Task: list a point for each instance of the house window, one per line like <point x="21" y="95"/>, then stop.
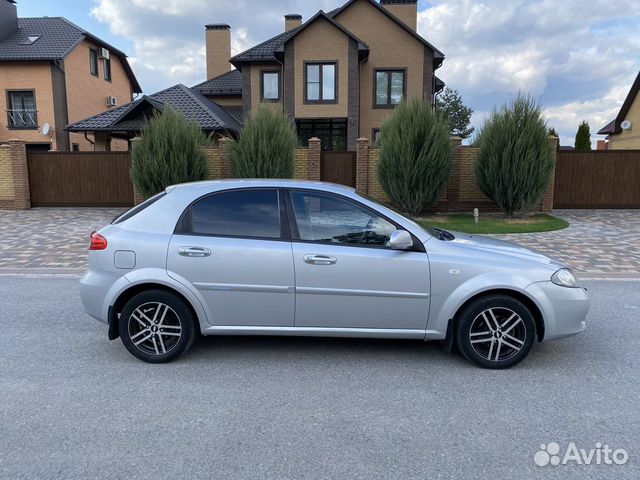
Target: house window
<point x="107" y="69"/>
<point x="331" y="132"/>
<point x="390" y="88"/>
<point x="22" y="111"/>
<point x="93" y="62"/>
<point x="375" y="136"/>
<point x="321" y="83"/>
<point x="75" y="147"/>
<point x="270" y="86"/>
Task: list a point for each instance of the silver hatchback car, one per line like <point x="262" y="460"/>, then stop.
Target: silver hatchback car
<point x="283" y="257"/>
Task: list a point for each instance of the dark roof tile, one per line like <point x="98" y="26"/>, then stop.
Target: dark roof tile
<point x="195" y="107"/>
<point x="226" y="85"/>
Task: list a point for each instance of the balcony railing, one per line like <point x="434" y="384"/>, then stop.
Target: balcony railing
<point x="22" y="118"/>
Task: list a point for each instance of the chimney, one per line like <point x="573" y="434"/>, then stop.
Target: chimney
<point x="8" y="18"/>
<point x="218" y="49"/>
<point x="291" y="21"/>
<point x="405" y="10"/>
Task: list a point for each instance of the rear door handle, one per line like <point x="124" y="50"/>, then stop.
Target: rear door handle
<point x="320" y="260"/>
<point x="194" y="251"/>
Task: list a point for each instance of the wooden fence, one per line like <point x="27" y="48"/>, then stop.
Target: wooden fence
<point x="598" y="179"/>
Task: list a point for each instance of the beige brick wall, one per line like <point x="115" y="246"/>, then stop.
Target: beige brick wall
<point x="301" y="156"/>
<point x="390" y="47"/>
<point x="6" y="174"/>
<point x="86" y="94"/>
<point x="375" y="189"/>
<point x="227" y="101"/>
<point x="322" y="42"/>
<point x="23" y="76"/>
<point x="469" y="190"/>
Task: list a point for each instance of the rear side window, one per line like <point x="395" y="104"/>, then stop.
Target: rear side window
<point x="137" y="209"/>
<point x="239" y="213"/>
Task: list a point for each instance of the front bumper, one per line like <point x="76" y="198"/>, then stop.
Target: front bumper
<point x="563" y="309"/>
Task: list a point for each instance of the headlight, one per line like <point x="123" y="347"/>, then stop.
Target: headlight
<point x="565" y="278"/>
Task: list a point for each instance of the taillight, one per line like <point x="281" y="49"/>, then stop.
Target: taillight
<point x="98" y="242"/>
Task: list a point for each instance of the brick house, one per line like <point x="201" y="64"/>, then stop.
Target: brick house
<point x="337" y="76"/>
<point x="53" y="72"/>
<point x="623" y="133"/>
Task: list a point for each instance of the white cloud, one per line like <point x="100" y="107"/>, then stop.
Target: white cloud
<point x="578" y="57"/>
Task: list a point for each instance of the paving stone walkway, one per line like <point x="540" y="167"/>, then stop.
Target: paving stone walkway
<point x="599" y="243"/>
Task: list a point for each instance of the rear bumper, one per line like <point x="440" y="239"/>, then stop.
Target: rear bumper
<point x="94" y="292"/>
<point x="564" y="309"/>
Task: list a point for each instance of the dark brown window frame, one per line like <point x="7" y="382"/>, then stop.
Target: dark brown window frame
<point x="389" y="71"/>
<point x="8" y="93"/>
<point x="321" y="63"/>
<point x="93" y="53"/>
<point x="107" y="70"/>
<point x="270" y="100"/>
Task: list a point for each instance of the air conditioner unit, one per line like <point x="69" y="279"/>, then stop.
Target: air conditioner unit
<point x="112" y="101"/>
<point x="103" y="53"/>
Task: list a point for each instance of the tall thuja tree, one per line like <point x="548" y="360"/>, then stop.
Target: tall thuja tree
<point x="516" y="160"/>
<point x="415" y="156"/>
<point x="583" y="137"/>
<point x="457" y="113"/>
<point x="265" y="148"/>
<point x="169" y="152"/>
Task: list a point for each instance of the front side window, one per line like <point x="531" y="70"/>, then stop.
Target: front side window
<point x="22" y="111"/>
<point x="107" y="69"/>
<point x="271" y="86"/>
<point x="240" y="213"/>
<point x="328" y="219"/>
<point x="320" y="83"/>
<point x="390" y="88"/>
<point x="93" y="62"/>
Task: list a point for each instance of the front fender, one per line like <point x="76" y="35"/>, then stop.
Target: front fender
<point x="444" y="306"/>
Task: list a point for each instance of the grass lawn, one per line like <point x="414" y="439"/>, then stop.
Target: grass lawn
<point x="464" y="223"/>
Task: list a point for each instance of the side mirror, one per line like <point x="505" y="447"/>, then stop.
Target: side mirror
<point x="400" y="240"/>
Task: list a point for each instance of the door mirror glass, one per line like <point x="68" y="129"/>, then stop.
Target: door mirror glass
<point x="400" y="240"/>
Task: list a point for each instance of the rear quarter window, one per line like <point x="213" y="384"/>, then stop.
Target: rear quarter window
<point x="137" y="209"/>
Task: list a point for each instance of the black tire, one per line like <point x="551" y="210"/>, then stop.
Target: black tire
<point x="141" y="326"/>
<point x="489" y="335"/>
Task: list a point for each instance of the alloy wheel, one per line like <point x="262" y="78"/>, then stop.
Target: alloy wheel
<point x="497" y="334"/>
<point x="154" y="328"/>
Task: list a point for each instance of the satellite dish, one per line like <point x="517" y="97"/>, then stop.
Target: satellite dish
<point x="45" y="129"/>
<point x="626" y="125"/>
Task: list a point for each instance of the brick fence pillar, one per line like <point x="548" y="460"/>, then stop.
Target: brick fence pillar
<point x="453" y="187"/>
<point x="546" y="205"/>
<point x="137" y="196"/>
<point x="20" y="170"/>
<point x="314" y="158"/>
<point x="225" y="163"/>
<point x="362" y="165"/>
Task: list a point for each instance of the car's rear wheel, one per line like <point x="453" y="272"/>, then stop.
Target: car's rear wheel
<point x="496" y="331"/>
<point x="157" y="326"/>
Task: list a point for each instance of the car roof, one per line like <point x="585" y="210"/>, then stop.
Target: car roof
<point x="228" y="184"/>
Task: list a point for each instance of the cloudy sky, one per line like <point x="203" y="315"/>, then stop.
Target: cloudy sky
<point x="579" y="57"/>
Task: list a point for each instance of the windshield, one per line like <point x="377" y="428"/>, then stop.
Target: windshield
<point x="430" y="230"/>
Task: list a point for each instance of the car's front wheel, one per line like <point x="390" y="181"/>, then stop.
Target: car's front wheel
<point x="496" y="331"/>
<point x="157" y="326"/>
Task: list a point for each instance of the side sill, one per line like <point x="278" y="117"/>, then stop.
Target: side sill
<point x="317" y="332"/>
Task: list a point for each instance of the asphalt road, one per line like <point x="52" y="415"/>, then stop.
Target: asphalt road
<point x="74" y="405"/>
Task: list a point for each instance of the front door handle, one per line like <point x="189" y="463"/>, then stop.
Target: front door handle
<point x="319" y="260"/>
<point x="194" y="252"/>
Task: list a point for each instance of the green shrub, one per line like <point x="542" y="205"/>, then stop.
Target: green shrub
<point x="583" y="137"/>
<point x="169" y="152"/>
<point x="415" y="156"/>
<point x="265" y="146"/>
<point x="516" y="159"/>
